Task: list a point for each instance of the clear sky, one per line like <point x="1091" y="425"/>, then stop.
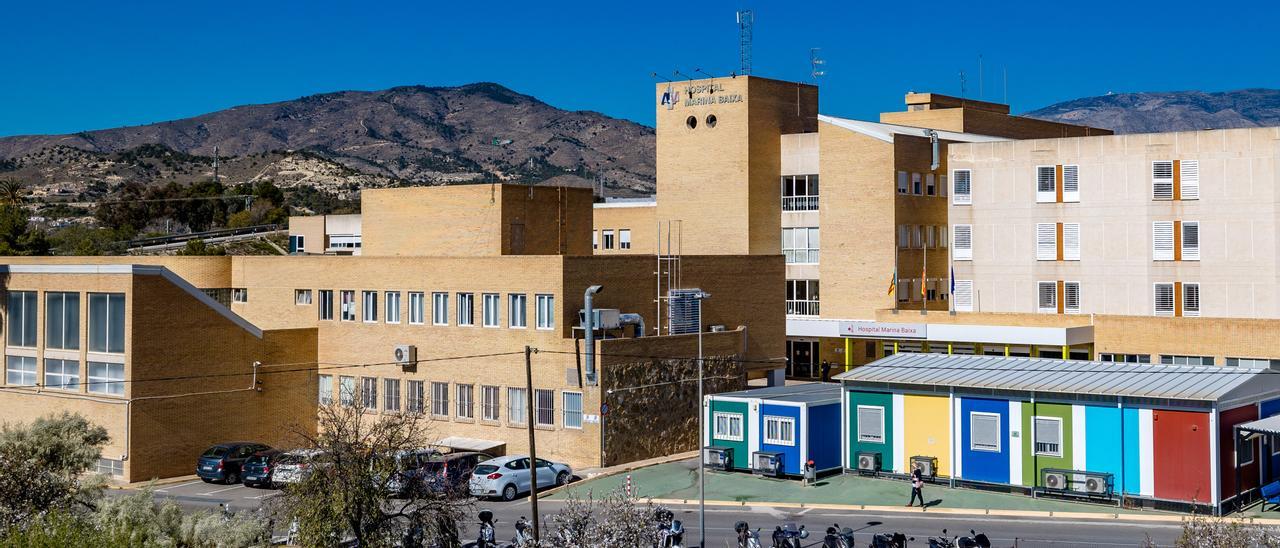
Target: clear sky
<point x="77" y="65"/>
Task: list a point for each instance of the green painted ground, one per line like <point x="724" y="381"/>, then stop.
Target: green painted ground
<point x="679" y="480"/>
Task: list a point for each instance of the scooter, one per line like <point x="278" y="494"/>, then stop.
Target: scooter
<point x="838" y="537"/>
<point x="789" y="536"/>
<point x="943" y="541"/>
<point x="975" y="540"/>
<point x="889" y="540"/>
<point x="487" y="537"/>
<point x="670" y="530"/>
<point x="746" y="537"/>
<point x="524" y="535"/>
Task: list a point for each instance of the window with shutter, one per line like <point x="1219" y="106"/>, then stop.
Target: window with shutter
<point x="1163" y="299"/>
<point x="1189" y="171"/>
<point x="1046" y="241"/>
<point x="929" y="188"/>
<point x="962" y="246"/>
<point x="1071" y="294"/>
<point x="962" y="181"/>
<point x="917" y="187"/>
<point x="871" y="423"/>
<point x="984" y="432"/>
<point x="1162" y="180"/>
<point x="963" y="296"/>
<point x="917" y="240"/>
<point x="1047" y="297"/>
<point x="1048" y="436"/>
<point x="1070" y="241"/>
<point x="1046" y="184"/>
<point x="942" y="236"/>
<point x="902" y="182"/>
<point x="903" y="240"/>
<point x="1191" y="300"/>
<point x="1071" y="183"/>
<point x="1162" y="241"/>
<point x="1190" y="241"/>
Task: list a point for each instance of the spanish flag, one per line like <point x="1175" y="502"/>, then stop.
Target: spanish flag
<point x="893" y="282"/>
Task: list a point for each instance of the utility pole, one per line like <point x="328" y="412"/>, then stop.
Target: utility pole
<point x="533" y="448"/>
<point x="702" y="450"/>
<point x="215" y="164"/>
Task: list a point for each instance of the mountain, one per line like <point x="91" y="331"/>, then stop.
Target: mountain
<point x="414" y="134"/>
<point x="1169" y="111"/>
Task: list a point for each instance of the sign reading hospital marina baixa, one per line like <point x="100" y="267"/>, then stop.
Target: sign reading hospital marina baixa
<point x="882" y="330"/>
<point x="698" y="94"/>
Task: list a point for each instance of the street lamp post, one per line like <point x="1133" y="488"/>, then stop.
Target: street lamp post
<point x="702" y="417"/>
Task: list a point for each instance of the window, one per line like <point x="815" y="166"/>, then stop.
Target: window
<point x="984" y="432"/>
<point x="439" y="309"/>
<point x="1048" y="436"/>
<point x="942" y="237"/>
<point x="1162" y="241"/>
<point x="962" y="187"/>
<point x="1046" y="241"/>
<point x="624" y="238"/>
<point x="20" y="371"/>
<point x="391" y="394"/>
<point x="929" y="188"/>
<point x="517" y="404"/>
<point x="930" y="237"/>
<point x="1186" y="360"/>
<point x="1125" y="358"/>
<point x="779" y="430"/>
<point x="962" y="242"/>
<point x="871" y="424"/>
<point x="347" y="391"/>
<point x="1071" y="296"/>
<point x="802" y="297"/>
<point x="544" y="407"/>
<point x="1191" y="300"/>
<point x="607" y="238"/>
<point x="1162" y="180"/>
<point x="1071" y="183"/>
<point x="302" y="297"/>
<point x="22" y="318"/>
<point x="490" y="302"/>
<point x="902" y="183"/>
<point x="369" y="393"/>
<point x="344" y="241"/>
<point x="572" y="404"/>
<point x="299" y="244"/>
<point x="546" y="311"/>
<point x="414" y="397"/>
<point x="440" y="399"/>
<point x="466" y="309"/>
<point x="466" y="401"/>
<point x="110" y="467"/>
<point x="370" y="307"/>
<point x="106" y="378"/>
<point x="1254" y="363"/>
<point x="1190" y="183"/>
<point x="62" y="321"/>
<point x="917" y="241"/>
<point x="239" y="295"/>
<point x="416" y="309"/>
<point x="1164" y="299"/>
<point x="61" y="374"/>
<point x="1046" y="184"/>
<point x="800" y="245"/>
<point x="916" y="187"/>
<point x="106" y="322"/>
<point x="326" y="304"/>
<point x="904" y="236"/>
<point x="595" y="239"/>
<point x="727" y="426"/>
<point x="1191" y="240"/>
<point x="1244" y="451"/>
<point x="393" y="307"/>
<point x="963" y="297"/>
<point x="517" y="310"/>
<point x="1047" y="297"/>
<point x="326" y="389"/>
<point x="1070" y="241"/>
<point x="489" y="403"/>
<point x="800" y="193"/>
<point x="347" y="305"/>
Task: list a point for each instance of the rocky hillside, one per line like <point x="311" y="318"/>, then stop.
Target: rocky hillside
<point x="1169" y="111"/>
<point x="418" y="135"/>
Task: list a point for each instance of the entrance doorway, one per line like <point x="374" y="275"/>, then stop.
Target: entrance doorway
<point x="802" y="359"/>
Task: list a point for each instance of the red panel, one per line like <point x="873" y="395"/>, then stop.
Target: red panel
<point x="1181" y="444"/>
<point x="1226" y="451"/>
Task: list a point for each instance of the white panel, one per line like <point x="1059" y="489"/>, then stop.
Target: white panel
<point x="1046" y="241"/>
<point x="1190" y="180"/>
<point x="1214" y="455"/>
<point x="1191" y="240"/>
<point x="1046" y="184"/>
<point x="953" y="411"/>
<point x="803" y="434"/>
<point x="962" y="243"/>
<point x="1070" y="241"/>
<point x="1146" y="453"/>
<point x="963" y="297"/>
<point x="899" y="434"/>
<point x="1162" y="240"/>
<point x="963" y="181"/>
<point x="1071" y="183"/>
<point x="1078" y="447"/>
<point x="1015" y="443"/>
<point x="753" y="427"/>
<point x="1162" y="180"/>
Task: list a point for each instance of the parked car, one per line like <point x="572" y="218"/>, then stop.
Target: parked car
<point x="294" y="466"/>
<point x="259" y="469"/>
<point x="507" y="477"/>
<point x="222" y="462"/>
<point x="408" y="465"/>
<point x="452" y="471"/>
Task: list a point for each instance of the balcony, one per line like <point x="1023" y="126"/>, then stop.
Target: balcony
<point x="799" y="203"/>
<point x="802" y="308"/>
<point x="801" y="256"/>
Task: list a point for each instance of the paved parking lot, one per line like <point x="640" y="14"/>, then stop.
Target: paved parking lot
<point x="198" y="494"/>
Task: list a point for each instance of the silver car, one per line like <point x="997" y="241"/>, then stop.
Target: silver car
<point x="295" y="466"/>
<point x="507" y="477"/>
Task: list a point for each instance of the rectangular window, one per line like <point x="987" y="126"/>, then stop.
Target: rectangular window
<point x="962" y="242"/>
<point x="1125" y="358"/>
<point x="517" y="405"/>
<point x="22" y="318"/>
<point x="902" y="182"/>
<point x="439" y="308"/>
<point x="1070" y="241"/>
<point x="414" y="397"/>
<point x="607" y="238"/>
<point x="544" y="407"/>
<point x="595" y="239"/>
<point x="62" y="321"/>
<point x="572" y="405"/>
<point x="416" y="307"/>
<point x="300" y="244"/>
<point x="1190" y="182"/>
<point x="1191" y="300"/>
<point x="489" y="403"/>
<point x="106" y="322"/>
<point x="491" y="302"/>
<point x="962" y="187"/>
<point x="800" y="193"/>
<point x="802" y="298"/>
<point x="239" y="295"/>
<point x="904" y="236"/>
<point x="517" y="312"/>
<point x="624" y="238"/>
<point x="1071" y="183"/>
<point x="1048" y="436"/>
<point x="393" y="307"/>
<point x="1046" y="184"/>
<point x="1071" y="297"/>
<point x="347" y="305"/>
<point x="984" y="432"/>
<point x="1244" y="451"/>
<point x="871" y="424"/>
<point x="20" y="371"/>
<point x="110" y="467"/>
<point x="1163" y="299"/>
<point x="916" y="187"/>
<point x="1046" y="241"/>
<point x="1186" y="360"/>
<point x="61" y="374"/>
<point x="326" y="304"/>
<point x="546" y="311"/>
<point x="930" y="237"/>
<point x="347" y="391"/>
<point x="727" y="426"/>
<point x="779" y="430"/>
<point x="370" y="307"/>
<point x="1253" y="363"/>
<point x="1162" y="241"/>
<point x="929" y="188"/>
<point x="1190" y="240"/>
<point x="369" y="393"/>
<point x="1162" y="180"/>
<point x="391" y="395"/>
<point x="942" y="237"/>
<point x="917" y="241"/>
<point x="466" y="308"/>
<point x="106" y="378"/>
<point x="325" y="383"/>
<point x="963" y="296"/>
<point x="800" y="245"/>
<point x="466" y="401"/>
<point x="302" y="297"/>
<point x="440" y="399"/>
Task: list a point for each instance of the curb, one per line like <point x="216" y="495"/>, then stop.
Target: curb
<point x="621" y="468"/>
<point x="154" y="482"/>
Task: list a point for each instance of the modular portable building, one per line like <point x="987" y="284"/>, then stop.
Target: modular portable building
<point x="1159" y="435"/>
<point x="788" y="425"/>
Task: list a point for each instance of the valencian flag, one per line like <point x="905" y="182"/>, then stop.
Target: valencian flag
<point x="893" y="282"/>
<point x="924" y="278"/>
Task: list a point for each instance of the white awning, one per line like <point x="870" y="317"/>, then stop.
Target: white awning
<point x="459" y="443"/>
<point x="1269" y="425"/>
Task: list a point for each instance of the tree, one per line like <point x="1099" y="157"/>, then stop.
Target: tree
<point x="12" y="192"/>
<point x="44" y="465"/>
<point x="85" y="240"/>
<point x="1206" y="532"/>
<point x="198" y="247"/>
<point x="345" y="496"/>
<point x="17" y="236"/>
<point x="615" y="521"/>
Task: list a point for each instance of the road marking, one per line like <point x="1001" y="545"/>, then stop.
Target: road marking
<point x="222" y="490"/>
<point x="266" y="496"/>
<point x="166" y="489"/>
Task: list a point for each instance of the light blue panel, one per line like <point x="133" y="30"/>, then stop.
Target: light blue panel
<point x="1102" y="438"/>
<point x="1132" y="465"/>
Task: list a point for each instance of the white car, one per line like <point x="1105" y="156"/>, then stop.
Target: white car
<point x="507" y="477"/>
<point x="294" y="466"/>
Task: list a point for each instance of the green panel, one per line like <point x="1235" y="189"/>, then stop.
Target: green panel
<point x="1033" y="464"/>
<point x="885" y="448"/>
<point x="741" y="451"/>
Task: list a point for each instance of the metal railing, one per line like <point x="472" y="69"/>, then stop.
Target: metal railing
<point x="801" y="256"/>
<point x="206" y="235"/>
<point x="802" y="308"/>
<point x="799" y="203"/>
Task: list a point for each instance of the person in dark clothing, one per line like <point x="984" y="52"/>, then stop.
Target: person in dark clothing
<point x="917" y="483"/>
<point x="826" y="371"/>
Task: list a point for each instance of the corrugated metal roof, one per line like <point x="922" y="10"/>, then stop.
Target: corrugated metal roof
<point x="813" y="392"/>
<point x="1269" y="425"/>
<point x="1048" y="375"/>
<point x="885" y="132"/>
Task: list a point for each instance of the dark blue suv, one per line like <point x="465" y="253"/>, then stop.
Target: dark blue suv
<point x="223" y="462"/>
<point x="259" y="470"/>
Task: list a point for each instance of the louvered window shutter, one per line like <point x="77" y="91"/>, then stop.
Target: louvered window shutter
<point x="1191" y="241"/>
<point x="962" y="247"/>
<point x="902" y="182"/>
<point x="1071" y="294"/>
<point x="1191" y="300"/>
<point x="1162" y="180"/>
<point x="1047" y="297"/>
<point x="1162" y="241"/>
<point x="1190" y="179"/>
<point x="1164" y="299"/>
<point x="964" y="296"/>
<point x="1071" y="241"/>
<point x="1071" y="183"/>
<point x="1046" y="242"/>
<point x="1046" y="184"/>
<point x="962" y="179"/>
<point x="984" y="431"/>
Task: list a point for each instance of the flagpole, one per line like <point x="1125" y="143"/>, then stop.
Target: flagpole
<point x="896" y="248"/>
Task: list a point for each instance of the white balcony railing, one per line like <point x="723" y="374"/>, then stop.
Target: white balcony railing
<point x="802" y="308"/>
<point x="801" y="256"/>
<point x="799" y="203"/>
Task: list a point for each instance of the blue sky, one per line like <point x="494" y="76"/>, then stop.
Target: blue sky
<point x="70" y="66"/>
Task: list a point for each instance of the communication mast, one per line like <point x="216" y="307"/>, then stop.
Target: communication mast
<point x="815" y="63"/>
<point x="746" y="19"/>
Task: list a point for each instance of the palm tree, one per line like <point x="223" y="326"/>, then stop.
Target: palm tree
<point x="11" y="192"/>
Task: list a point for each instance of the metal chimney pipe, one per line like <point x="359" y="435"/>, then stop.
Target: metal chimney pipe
<point x="589" y="326"/>
<point x="933" y="138"/>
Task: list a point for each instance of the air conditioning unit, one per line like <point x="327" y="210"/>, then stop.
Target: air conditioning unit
<point x="928" y="465"/>
<point x="868" y="461"/>
<point x="768" y="463"/>
<point x="603" y="318"/>
<point x="1095" y="484"/>
<point x="718" y="457"/>
<point x="1055" y="480"/>
<point x="406" y="355"/>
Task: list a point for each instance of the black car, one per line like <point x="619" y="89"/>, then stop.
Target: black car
<point x="222" y="462"/>
<point x="259" y="470"/>
<point x="451" y="471"/>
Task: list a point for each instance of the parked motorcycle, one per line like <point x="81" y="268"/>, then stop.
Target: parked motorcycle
<point x="524" y="533"/>
<point x="974" y="540"/>
<point x="943" y="541"/>
<point x="838" y="537"/>
<point x="746" y="537"/>
<point x="670" y="530"/>
<point x="890" y="540"/>
<point x="789" y="536"/>
<point x="487" y="537"/>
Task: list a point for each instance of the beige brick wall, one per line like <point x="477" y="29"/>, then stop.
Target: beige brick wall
<point x="311" y="228"/>
<point x="641" y="220"/>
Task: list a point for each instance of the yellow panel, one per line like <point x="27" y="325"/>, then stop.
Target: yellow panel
<point x="928" y="430"/>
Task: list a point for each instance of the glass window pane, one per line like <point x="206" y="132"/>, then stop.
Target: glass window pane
<point x="115" y="325"/>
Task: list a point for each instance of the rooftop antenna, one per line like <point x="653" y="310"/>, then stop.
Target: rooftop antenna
<point x="746" y="19"/>
<point x="963" y="85"/>
<point x="980" y="74"/>
<point x="814" y="63"/>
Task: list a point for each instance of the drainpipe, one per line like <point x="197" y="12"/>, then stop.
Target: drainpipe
<point x="589" y="326"/>
<point x="633" y="319"/>
<point x="933" y="139"/>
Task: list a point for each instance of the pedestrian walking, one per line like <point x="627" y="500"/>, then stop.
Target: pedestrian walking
<point x="826" y="371"/>
<point x="917" y="483"/>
